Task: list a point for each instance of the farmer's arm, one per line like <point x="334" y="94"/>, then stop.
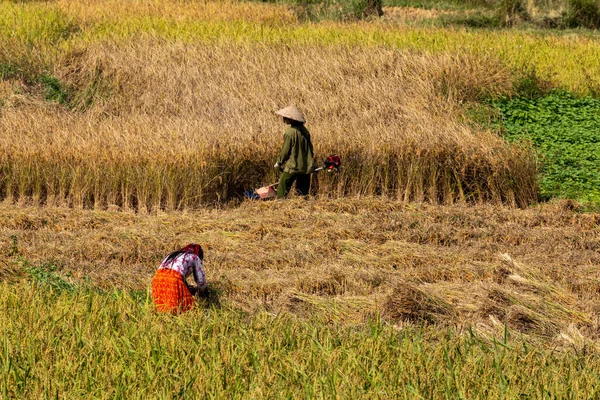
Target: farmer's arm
<point x="284" y="154"/>
<point x="198" y="271"/>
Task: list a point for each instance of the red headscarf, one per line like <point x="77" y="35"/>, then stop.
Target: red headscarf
<point x="195" y="249"/>
<point x="191" y="248"/>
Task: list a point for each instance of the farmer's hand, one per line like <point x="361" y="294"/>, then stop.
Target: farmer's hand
<point x="277" y="166"/>
<point x="203" y="293"/>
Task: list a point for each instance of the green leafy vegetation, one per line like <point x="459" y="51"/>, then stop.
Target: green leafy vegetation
<point x="54" y="89"/>
<point x="566" y="131"/>
<point x="46" y="275"/>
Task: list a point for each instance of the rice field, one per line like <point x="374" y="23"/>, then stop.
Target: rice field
<point x="350" y="298"/>
<point x="205" y="141"/>
<point x="425" y="268"/>
<point x="568" y="59"/>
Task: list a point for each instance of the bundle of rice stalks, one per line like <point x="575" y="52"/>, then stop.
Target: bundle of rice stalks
<point x="518" y="297"/>
<point x="409" y="302"/>
<point x="339" y="309"/>
<point x="334" y="284"/>
<point x="534" y="282"/>
<point x="527" y="302"/>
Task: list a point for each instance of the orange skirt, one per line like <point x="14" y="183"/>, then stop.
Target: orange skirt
<point x="169" y="292"/>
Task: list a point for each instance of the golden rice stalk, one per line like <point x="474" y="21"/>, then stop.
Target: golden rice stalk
<point x="162" y="125"/>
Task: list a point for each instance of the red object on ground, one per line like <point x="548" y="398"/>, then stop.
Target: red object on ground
<point x="169" y="292"/>
<point x="267" y="192"/>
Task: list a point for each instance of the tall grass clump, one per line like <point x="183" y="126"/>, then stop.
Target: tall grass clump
<point x="172" y="125"/>
<point x="511" y="12"/>
<point x="88" y="343"/>
<point x="582" y="13"/>
<point x="340" y="10"/>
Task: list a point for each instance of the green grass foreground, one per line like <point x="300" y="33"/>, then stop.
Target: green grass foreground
<point x="69" y="342"/>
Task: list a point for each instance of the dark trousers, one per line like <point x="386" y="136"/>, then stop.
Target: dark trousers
<point x="287" y="180"/>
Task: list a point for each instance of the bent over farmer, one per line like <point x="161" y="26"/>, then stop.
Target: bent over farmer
<point x="170" y="290"/>
<point x="296" y="156"/>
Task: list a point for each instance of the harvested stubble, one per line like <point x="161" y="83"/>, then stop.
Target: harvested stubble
<point x="176" y="126"/>
<point x="521" y="298"/>
<point x="347" y="260"/>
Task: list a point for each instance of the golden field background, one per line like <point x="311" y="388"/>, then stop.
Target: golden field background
<point x="192" y="125"/>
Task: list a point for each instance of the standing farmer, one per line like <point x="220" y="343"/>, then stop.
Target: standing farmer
<point x="296" y="156"/>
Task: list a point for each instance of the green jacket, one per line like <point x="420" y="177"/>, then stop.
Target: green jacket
<point x="296" y="156"/>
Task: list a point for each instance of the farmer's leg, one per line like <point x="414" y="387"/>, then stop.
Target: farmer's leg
<point x="303" y="184"/>
<point x="285" y="184"/>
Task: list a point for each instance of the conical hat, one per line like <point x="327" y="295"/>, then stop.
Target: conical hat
<point x="291" y="112"/>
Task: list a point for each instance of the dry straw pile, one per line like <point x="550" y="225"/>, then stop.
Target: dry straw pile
<point x="157" y="124"/>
